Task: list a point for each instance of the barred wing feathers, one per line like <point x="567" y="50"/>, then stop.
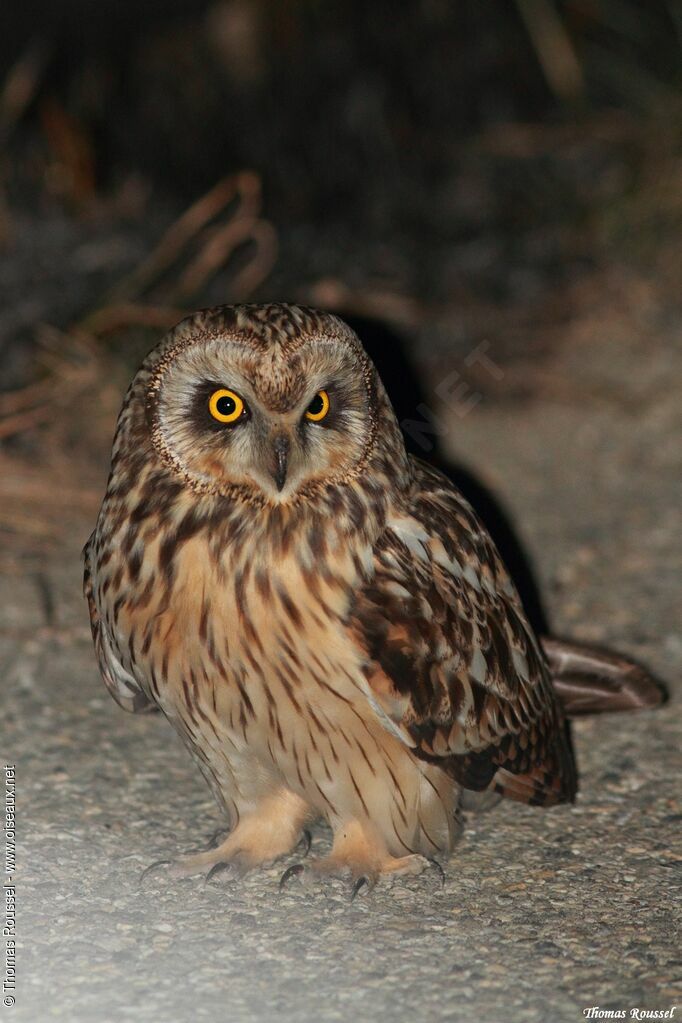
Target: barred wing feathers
<point x="451" y="663"/>
<point x="120" y="683"/>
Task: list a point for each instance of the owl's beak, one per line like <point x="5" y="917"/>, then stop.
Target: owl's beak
<point x="281" y="449"/>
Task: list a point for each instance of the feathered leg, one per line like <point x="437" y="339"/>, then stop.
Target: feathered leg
<point x="272" y="830"/>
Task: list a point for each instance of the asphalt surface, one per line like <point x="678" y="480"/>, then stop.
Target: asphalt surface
<point x="543" y="913"/>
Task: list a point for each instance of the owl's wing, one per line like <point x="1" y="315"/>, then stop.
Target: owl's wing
<point x="451" y="664"/>
<point x="118" y="681"/>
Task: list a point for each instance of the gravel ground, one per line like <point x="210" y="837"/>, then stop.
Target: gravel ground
<point x="543" y="913"/>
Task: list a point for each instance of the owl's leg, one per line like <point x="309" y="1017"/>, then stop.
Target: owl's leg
<point x="264" y="834"/>
<point x="360" y="851"/>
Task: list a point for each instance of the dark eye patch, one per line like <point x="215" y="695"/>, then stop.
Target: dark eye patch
<point x="339" y="404"/>
<point x="200" y="414"/>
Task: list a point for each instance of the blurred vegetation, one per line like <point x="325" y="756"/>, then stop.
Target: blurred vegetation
<point x="459" y="170"/>
<point x="352" y="113"/>
<point x="455" y="153"/>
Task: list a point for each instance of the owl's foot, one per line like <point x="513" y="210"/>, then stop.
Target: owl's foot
<point x="360" y="853"/>
<point x="271" y="831"/>
<point x="362" y="876"/>
<point x="238" y="864"/>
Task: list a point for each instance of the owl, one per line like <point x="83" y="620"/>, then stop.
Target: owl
<point x="321" y="617"/>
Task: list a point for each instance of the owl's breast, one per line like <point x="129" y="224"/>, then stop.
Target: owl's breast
<point x="250" y="658"/>
<point x="245" y="643"/>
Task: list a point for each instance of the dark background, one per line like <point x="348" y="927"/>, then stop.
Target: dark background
<point x="442" y="173"/>
<point x="457" y="152"/>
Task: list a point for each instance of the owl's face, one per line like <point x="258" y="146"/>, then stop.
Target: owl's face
<point x="273" y="419"/>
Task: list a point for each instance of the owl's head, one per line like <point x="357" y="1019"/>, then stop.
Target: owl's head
<point x="272" y="402"/>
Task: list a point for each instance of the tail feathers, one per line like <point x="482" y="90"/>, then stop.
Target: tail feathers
<point x="589" y="680"/>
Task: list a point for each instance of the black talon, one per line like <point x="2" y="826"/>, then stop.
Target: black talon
<point x="436" y="864"/>
<point x="293" y="871"/>
<point x="359" y="885"/>
<point x="152" y="866"/>
<point x="216" y="869"/>
<point x="307" y="840"/>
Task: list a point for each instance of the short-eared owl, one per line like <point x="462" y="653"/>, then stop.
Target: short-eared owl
<point x="322" y="618"/>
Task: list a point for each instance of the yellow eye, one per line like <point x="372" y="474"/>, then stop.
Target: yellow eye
<point x="226" y="406"/>
<point x="318" y="407"/>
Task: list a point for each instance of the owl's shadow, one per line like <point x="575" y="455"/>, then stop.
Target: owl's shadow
<point x="390" y="355"/>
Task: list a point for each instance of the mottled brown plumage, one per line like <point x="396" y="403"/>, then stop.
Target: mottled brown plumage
<point x="322" y="618"/>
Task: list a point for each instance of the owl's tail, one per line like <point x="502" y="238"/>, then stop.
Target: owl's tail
<point x="589" y="680"/>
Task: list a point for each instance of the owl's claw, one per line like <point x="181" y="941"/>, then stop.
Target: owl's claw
<point x="438" y="867"/>
<point x="218" y="868"/>
<point x="293" y="871"/>
<point x="296" y="869"/>
<point x="153" y="866"/>
<point x="363" y="881"/>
